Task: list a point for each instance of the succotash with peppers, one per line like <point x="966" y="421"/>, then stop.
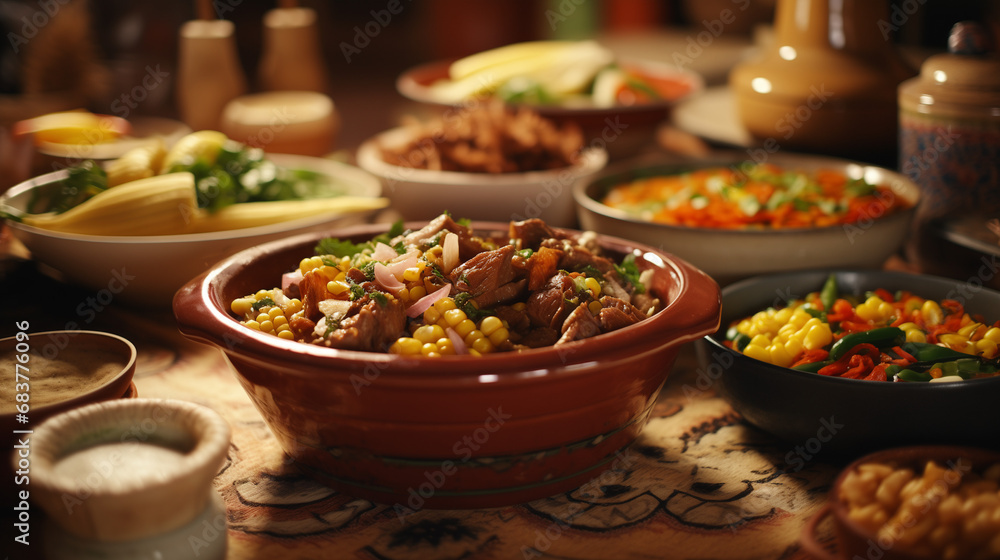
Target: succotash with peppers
<point x="882" y="336"/>
<point x="445" y="290"/>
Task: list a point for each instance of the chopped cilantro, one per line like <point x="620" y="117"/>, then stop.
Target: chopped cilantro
<point x="436" y="271"/>
<point x="379" y="297"/>
<point x="265" y="302"/>
<point x="591" y="270"/>
<point x="369" y="270"/>
<point x="464" y="302"/>
<point x="338" y="247"/>
<point x="332" y="324"/>
<point x="525" y="253"/>
<point x="357" y="291"/>
<point x="630" y="272"/>
<point x="464" y="222"/>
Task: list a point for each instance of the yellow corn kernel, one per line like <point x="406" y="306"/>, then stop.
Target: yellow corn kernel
<point x="261" y="294"/>
<point x="417" y="292"/>
<point x="337" y="288"/>
<point x="294" y="306"/>
<point x="520" y="306"/>
<point x="779" y="356"/>
<point x="253" y="325"/>
<point x="931" y="312"/>
<point x="266" y="326"/>
<point x="429" y="348"/>
<point x="279" y="321"/>
<point x="281" y="327"/>
<point x="915" y="335"/>
<point x="262" y="316"/>
<point x="794" y="347"/>
<point x="454" y="316"/>
<point x="445" y="346"/>
<point x="786" y="332"/>
<point x="474" y="352"/>
<point x="406" y="346"/>
<point x="286" y="334"/>
<point x="757" y="352"/>
<point x="473" y="336"/>
<point x="595" y="307"/>
<point x="490" y="324"/>
<point x="482" y="345"/>
<point x="274" y="312"/>
<point x="761" y="340"/>
<point x="464" y="328"/>
<point x="744" y="326"/>
<point x="242" y="306"/>
<point x="431" y="316"/>
<point x="799" y="317"/>
<point x="428" y="333"/>
<point x="782" y="316"/>
<point x="310" y="263"/>
<point x="818" y="336"/>
<point x="411" y="274"/>
<point x="593" y="286"/>
<point x="874" y="309"/>
<point x="444" y="304"/>
<point x="499" y="336"/>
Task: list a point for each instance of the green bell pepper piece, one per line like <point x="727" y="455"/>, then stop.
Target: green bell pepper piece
<point x="884" y="337"/>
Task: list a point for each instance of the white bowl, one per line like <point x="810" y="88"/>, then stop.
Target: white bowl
<point x="145" y="271"/>
<point x="422" y="194"/>
<point x="730" y="255"/>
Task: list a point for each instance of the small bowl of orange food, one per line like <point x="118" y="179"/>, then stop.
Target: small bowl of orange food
<point x="911" y="503"/>
<point x="735" y="217"/>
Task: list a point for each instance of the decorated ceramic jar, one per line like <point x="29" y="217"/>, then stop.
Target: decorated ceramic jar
<point x="950" y="136"/>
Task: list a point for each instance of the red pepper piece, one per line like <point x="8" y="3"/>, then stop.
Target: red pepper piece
<point x="866" y="353"/>
<point x="905" y="358"/>
<point x="812" y="356"/>
<point x="842" y="311"/>
<point x="878" y="373"/>
<point x="885" y="295"/>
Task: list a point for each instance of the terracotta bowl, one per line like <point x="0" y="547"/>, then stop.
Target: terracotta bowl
<point x="845" y="418"/>
<point x="622" y="130"/>
<point x="855" y="541"/>
<point x="458" y="431"/>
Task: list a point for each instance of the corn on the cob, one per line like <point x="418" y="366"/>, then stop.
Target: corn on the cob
<point x="203" y="145"/>
<point x="137" y="163"/>
<point x="252" y="214"/>
<point x="160" y="205"/>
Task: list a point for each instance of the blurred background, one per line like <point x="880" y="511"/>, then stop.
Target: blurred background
<point x="66" y="54"/>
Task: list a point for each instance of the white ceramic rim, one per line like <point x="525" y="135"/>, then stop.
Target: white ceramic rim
<point x="897" y="182"/>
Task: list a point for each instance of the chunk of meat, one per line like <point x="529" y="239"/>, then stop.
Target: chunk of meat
<point x="625" y="307"/>
<point x="548" y="307"/>
<point x="485" y="272"/>
<point x="529" y="234"/>
<point x="517" y="320"/>
<point x="509" y="292"/>
<point x="540" y="337"/>
<point x="579" y="325"/>
<point x="468" y="244"/>
<point x="372" y="328"/>
<point x="612" y="318"/>
<point x="576" y="258"/>
<point x="312" y="287"/>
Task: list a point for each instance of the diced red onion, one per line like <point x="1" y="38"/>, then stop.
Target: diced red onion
<point x="409" y="260"/>
<point x="384" y="252"/>
<point x="449" y="253"/>
<point x="425" y="303"/>
<point x="457" y="340"/>
<point x="386" y="278"/>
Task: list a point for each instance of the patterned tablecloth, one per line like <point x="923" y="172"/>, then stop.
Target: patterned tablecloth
<point x="698" y="483"/>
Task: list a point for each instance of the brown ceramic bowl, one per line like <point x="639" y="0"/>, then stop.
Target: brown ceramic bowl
<point x="853" y="540"/>
<point x="623" y="130"/>
<point x="458" y="431"/>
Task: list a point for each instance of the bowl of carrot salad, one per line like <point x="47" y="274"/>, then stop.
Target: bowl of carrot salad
<point x="735" y="217"/>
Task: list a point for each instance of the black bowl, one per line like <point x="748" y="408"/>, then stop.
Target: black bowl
<point x="834" y="417"/>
